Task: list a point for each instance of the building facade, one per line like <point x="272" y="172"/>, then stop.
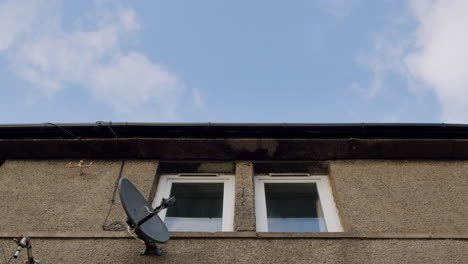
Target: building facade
<point x="247" y="193"/>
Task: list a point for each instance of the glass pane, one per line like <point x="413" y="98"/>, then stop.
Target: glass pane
<point x="294" y="207"/>
<point x="198" y="207"/>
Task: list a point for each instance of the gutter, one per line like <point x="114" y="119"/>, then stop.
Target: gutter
<point x="233" y="130"/>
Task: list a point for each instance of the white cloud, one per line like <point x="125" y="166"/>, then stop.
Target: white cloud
<point x="132" y="80"/>
<point x="15" y="18"/>
<point x="128" y="20"/>
<point x="440" y="58"/>
<point x="54" y="59"/>
<point x="434" y="55"/>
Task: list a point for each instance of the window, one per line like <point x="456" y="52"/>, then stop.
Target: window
<point x="203" y="202"/>
<point x="295" y="203"/>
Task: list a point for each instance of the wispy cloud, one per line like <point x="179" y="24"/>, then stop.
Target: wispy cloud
<point x="197" y="97"/>
<point x="53" y="59"/>
<point x="16" y="17"/>
<point x="338" y="8"/>
<point x="434" y="55"/>
<point x="385" y="59"/>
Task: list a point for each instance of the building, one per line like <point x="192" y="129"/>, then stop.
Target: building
<point x="378" y="193"/>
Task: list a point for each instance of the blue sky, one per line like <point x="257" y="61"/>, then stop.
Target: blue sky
<point x="322" y="61"/>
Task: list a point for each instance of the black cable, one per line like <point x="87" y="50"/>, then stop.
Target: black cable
<point x="4" y="255"/>
<point x="90" y="144"/>
<point x="116" y="225"/>
<point x="61" y="128"/>
<point x="117" y="181"/>
<point x="108" y="124"/>
<point x="12" y="255"/>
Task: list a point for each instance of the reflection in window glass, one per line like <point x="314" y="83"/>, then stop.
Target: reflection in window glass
<point x="294" y="207"/>
<point x="199" y="207"/>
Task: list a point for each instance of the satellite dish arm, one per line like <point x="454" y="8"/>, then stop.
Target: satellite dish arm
<point x="165" y="204"/>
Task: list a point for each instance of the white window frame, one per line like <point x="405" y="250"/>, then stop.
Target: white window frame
<point x="165" y="186"/>
<point x="330" y="212"/>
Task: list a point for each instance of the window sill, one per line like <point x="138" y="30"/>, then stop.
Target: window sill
<point x="244" y="235"/>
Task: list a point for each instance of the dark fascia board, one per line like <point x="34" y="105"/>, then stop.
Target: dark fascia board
<point x="232" y="130"/>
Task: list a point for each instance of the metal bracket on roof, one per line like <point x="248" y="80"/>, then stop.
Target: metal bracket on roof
<point x="289" y="174"/>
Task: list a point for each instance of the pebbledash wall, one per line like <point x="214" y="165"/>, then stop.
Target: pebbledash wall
<point x="401" y="197"/>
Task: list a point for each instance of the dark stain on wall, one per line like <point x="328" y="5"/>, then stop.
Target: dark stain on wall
<point x="236" y="149"/>
<point x="167" y="167"/>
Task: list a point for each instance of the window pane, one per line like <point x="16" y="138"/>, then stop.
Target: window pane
<point x="199" y="207"/>
<point x="294" y="207"/>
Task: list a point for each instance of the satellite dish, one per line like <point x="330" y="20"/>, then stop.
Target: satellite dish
<point x="143" y="219"/>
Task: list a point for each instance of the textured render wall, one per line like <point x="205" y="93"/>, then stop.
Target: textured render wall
<point x="49" y="196"/>
<point x="244" y="208"/>
<point x="372" y="196"/>
<point x="401" y="196"/>
<point x="343" y="251"/>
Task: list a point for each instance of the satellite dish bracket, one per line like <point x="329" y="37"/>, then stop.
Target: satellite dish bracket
<point x="139" y="211"/>
<point x="165" y="204"/>
<point x="150" y="246"/>
<point x="150" y="249"/>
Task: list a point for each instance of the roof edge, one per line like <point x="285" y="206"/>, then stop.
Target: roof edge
<point x="102" y="129"/>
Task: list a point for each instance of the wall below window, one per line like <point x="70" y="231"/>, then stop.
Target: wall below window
<point x="242" y="250"/>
